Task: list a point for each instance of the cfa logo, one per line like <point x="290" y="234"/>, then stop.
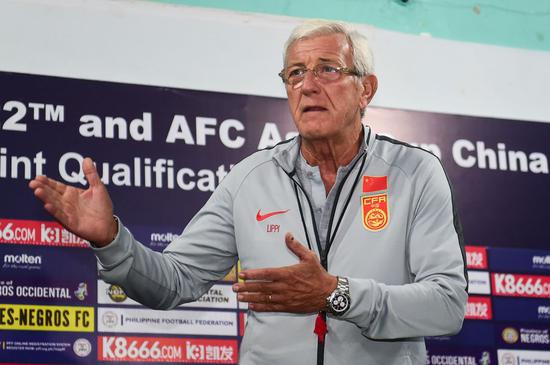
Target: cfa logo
<point x="23" y="259"/>
<point x="116" y="293"/>
<point x="510" y="335"/>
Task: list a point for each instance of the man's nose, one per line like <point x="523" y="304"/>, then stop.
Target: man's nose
<point x="310" y="83"/>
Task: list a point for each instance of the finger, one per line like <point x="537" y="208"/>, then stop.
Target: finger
<point x="270" y="274"/>
<point x="260" y="298"/>
<point x="47" y="195"/>
<point x="90" y="172"/>
<point x="296" y="247"/>
<point x="259" y="287"/>
<point x="262" y="307"/>
<point x="43" y="181"/>
<point x="57" y="186"/>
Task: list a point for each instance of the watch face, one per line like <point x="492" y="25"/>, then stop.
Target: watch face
<point x="339" y="303"/>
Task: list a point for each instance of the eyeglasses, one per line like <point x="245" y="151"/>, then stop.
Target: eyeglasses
<point x="323" y="72"/>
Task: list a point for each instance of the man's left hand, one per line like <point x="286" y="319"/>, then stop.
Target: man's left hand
<point x="300" y="288"/>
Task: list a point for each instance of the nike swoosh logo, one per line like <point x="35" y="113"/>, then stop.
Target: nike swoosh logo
<point x="260" y="217"/>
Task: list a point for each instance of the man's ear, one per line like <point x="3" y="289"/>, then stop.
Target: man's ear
<point x="370" y="85"/>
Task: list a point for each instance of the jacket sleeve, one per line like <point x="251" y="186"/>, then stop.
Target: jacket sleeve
<point x="202" y="254"/>
<point x="434" y="302"/>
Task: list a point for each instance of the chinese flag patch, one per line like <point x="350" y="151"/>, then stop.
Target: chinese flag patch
<point x="372" y="184"/>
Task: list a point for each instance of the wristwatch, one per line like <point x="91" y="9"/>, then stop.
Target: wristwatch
<point x="339" y="301"/>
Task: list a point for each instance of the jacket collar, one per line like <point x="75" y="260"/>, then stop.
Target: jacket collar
<point x="287" y="154"/>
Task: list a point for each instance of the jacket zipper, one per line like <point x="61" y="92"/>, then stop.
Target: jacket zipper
<point x="323" y="253"/>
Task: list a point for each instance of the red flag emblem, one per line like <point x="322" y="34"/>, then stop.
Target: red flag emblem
<point x="373" y="184"/>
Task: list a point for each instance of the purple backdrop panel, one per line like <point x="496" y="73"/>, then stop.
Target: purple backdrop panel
<point x="519" y="260"/>
<point x="26" y="347"/>
<point x="521" y="310"/>
<point x="438" y="355"/>
<point x="523" y="336"/>
<point x="473" y="333"/>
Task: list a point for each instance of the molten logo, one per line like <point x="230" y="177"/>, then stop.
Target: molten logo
<point x="22" y="259"/>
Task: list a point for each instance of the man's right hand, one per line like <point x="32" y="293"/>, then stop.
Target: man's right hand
<point x="87" y="213"/>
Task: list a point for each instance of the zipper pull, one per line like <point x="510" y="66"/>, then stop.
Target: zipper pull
<point x="320" y="327"/>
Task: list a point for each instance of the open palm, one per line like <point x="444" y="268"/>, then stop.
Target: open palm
<point x="87" y="213"/>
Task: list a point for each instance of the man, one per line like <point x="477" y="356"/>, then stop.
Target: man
<point x="374" y="239"/>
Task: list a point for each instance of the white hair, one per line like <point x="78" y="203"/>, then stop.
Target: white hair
<point x="358" y="43"/>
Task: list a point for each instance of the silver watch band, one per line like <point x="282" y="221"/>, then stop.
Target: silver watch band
<point x="339" y="301"/>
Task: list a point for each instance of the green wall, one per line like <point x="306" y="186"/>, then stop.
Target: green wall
<point x="511" y="23"/>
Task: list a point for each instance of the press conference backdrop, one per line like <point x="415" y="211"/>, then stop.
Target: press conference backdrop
<point x="162" y="151"/>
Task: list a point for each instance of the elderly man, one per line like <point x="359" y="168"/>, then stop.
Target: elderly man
<point x="373" y="260"/>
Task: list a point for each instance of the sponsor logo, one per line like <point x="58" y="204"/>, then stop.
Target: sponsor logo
<point x="116" y="293"/>
<point x="38" y="233"/>
<point x="478" y="282"/>
<point x="507" y="358"/>
<point x="22" y="291"/>
<point x="46" y="318"/>
<point x="163" y="237"/>
<point x="534" y="336"/>
<point x="22" y="259"/>
<point x="476" y="257"/>
<point x="510" y="335"/>
<point x="375" y="211"/>
<point x="479" y="308"/>
<point x="109" y="319"/>
<point x="541" y="262"/>
<point x="218" y="296"/>
<point x="373" y="184"/>
<point x="173" y="350"/>
<point x="134" y="320"/>
<point x="260" y="217"/>
<point x="543" y="312"/>
<point x="22" y="262"/>
<point x="82" y="347"/>
<point x="459" y="357"/>
<point x="523" y="357"/>
<point x="517" y="285"/>
<point x="82" y="291"/>
<point x="485" y="358"/>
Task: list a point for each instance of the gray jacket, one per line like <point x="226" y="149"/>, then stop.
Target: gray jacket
<point x="407" y="273"/>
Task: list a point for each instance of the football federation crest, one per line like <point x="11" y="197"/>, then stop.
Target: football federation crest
<point x="375" y="211"/>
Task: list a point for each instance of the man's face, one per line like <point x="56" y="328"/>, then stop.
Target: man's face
<point x="323" y="109"/>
